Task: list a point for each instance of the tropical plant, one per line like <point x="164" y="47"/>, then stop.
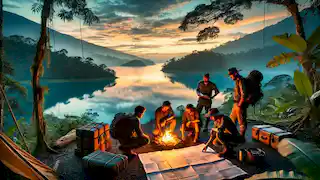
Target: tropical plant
<point x="279" y="105"/>
<point x="231" y="12"/>
<point x="304" y="51"/>
<point x="278" y="175"/>
<point x="1" y="64"/>
<point x="305" y="156"/>
<point x="304" y="87"/>
<point x="68" y="9"/>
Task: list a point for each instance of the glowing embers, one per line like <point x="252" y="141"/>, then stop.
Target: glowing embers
<point x="167" y="139"/>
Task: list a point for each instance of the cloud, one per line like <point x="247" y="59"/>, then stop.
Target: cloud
<point x="188" y="40"/>
<point x="140" y="31"/>
<point x="11" y="6"/>
<point x="163" y="22"/>
<point x="143" y="46"/>
<point x="141" y="8"/>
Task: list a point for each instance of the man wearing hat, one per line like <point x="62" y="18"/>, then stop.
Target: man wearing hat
<point x="224" y="131"/>
<point x="164" y="116"/>
<point x="240" y="106"/>
<point x="204" y="92"/>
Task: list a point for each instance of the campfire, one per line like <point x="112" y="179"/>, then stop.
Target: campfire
<point x="167" y="139"/>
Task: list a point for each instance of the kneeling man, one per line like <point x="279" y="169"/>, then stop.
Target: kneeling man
<point x="164" y="116"/>
<point x="224" y="133"/>
<point x="190" y="122"/>
<point x="129" y="133"/>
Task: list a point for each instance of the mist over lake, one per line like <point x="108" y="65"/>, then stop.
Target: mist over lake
<point x="147" y="86"/>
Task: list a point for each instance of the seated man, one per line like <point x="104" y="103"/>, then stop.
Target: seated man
<point x="164" y="116"/>
<point x="224" y="132"/>
<point x="129" y="133"/>
<point x="190" y="122"/>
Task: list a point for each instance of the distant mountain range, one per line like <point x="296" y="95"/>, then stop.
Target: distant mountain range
<point x="256" y="40"/>
<point x="135" y="63"/>
<point x="18" y="25"/>
<point x="246" y="53"/>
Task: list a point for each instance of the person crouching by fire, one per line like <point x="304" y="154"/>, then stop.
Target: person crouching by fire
<point x="164" y="116"/>
<point x="190" y="122"/>
<point x="127" y="129"/>
<point x="224" y="133"/>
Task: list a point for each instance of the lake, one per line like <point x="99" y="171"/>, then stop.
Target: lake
<point x="147" y="86"/>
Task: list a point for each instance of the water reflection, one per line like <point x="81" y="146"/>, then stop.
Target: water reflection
<point x="146" y="86"/>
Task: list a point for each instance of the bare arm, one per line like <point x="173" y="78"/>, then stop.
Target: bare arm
<point x="157" y="120"/>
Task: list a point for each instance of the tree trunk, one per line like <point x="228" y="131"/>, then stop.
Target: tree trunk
<point x="292" y="7"/>
<point x="38" y="93"/>
<point x="1" y="65"/>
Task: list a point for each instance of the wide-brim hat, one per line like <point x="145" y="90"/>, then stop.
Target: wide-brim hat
<point x="233" y="70"/>
<point x="213" y="112"/>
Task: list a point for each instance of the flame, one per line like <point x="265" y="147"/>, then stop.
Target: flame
<point x="168" y="139"/>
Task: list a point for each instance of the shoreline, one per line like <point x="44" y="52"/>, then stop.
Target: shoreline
<point x="52" y="80"/>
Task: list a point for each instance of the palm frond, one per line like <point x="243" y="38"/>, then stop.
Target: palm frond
<point x="37" y="7"/>
<point x="305" y="156"/>
<point x="277" y="175"/>
<point x="7" y="68"/>
<point x="14" y="86"/>
<point x="65" y="15"/>
<point x="89" y="17"/>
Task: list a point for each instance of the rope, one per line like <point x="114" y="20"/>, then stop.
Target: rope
<point x="264" y="23"/>
<point x="54" y="37"/>
<point x="14" y="118"/>
<point x="81" y="40"/>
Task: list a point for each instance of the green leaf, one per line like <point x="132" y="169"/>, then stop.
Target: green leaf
<point x="292" y="41"/>
<point x="314" y="39"/>
<point x="284" y="58"/>
<point x="302" y="83"/>
<point x="10" y="131"/>
<point x="277" y="175"/>
<point x="305" y="156"/>
<point x="272" y="106"/>
<point x="285" y="106"/>
<point x="277" y="103"/>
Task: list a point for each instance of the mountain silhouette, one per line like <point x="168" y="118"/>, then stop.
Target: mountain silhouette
<point x="263" y="38"/>
<point x="18" y="25"/>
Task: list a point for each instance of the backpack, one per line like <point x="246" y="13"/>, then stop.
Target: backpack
<point x="251" y="155"/>
<point x="117" y="118"/>
<point x="253" y="87"/>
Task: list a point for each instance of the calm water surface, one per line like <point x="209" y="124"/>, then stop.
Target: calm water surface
<point x="146" y="86"/>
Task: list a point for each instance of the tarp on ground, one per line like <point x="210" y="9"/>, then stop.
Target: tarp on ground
<point x="188" y="164"/>
<point x="23" y="163"/>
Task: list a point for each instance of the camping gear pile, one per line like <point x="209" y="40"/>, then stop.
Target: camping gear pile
<point x="92" y="137"/>
<point x="93" y="140"/>
<point x="269" y="135"/>
<point x="105" y="164"/>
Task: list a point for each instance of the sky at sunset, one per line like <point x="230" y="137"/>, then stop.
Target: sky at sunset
<point x="149" y="28"/>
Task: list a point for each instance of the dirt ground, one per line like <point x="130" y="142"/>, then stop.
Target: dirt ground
<point x="69" y="166"/>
